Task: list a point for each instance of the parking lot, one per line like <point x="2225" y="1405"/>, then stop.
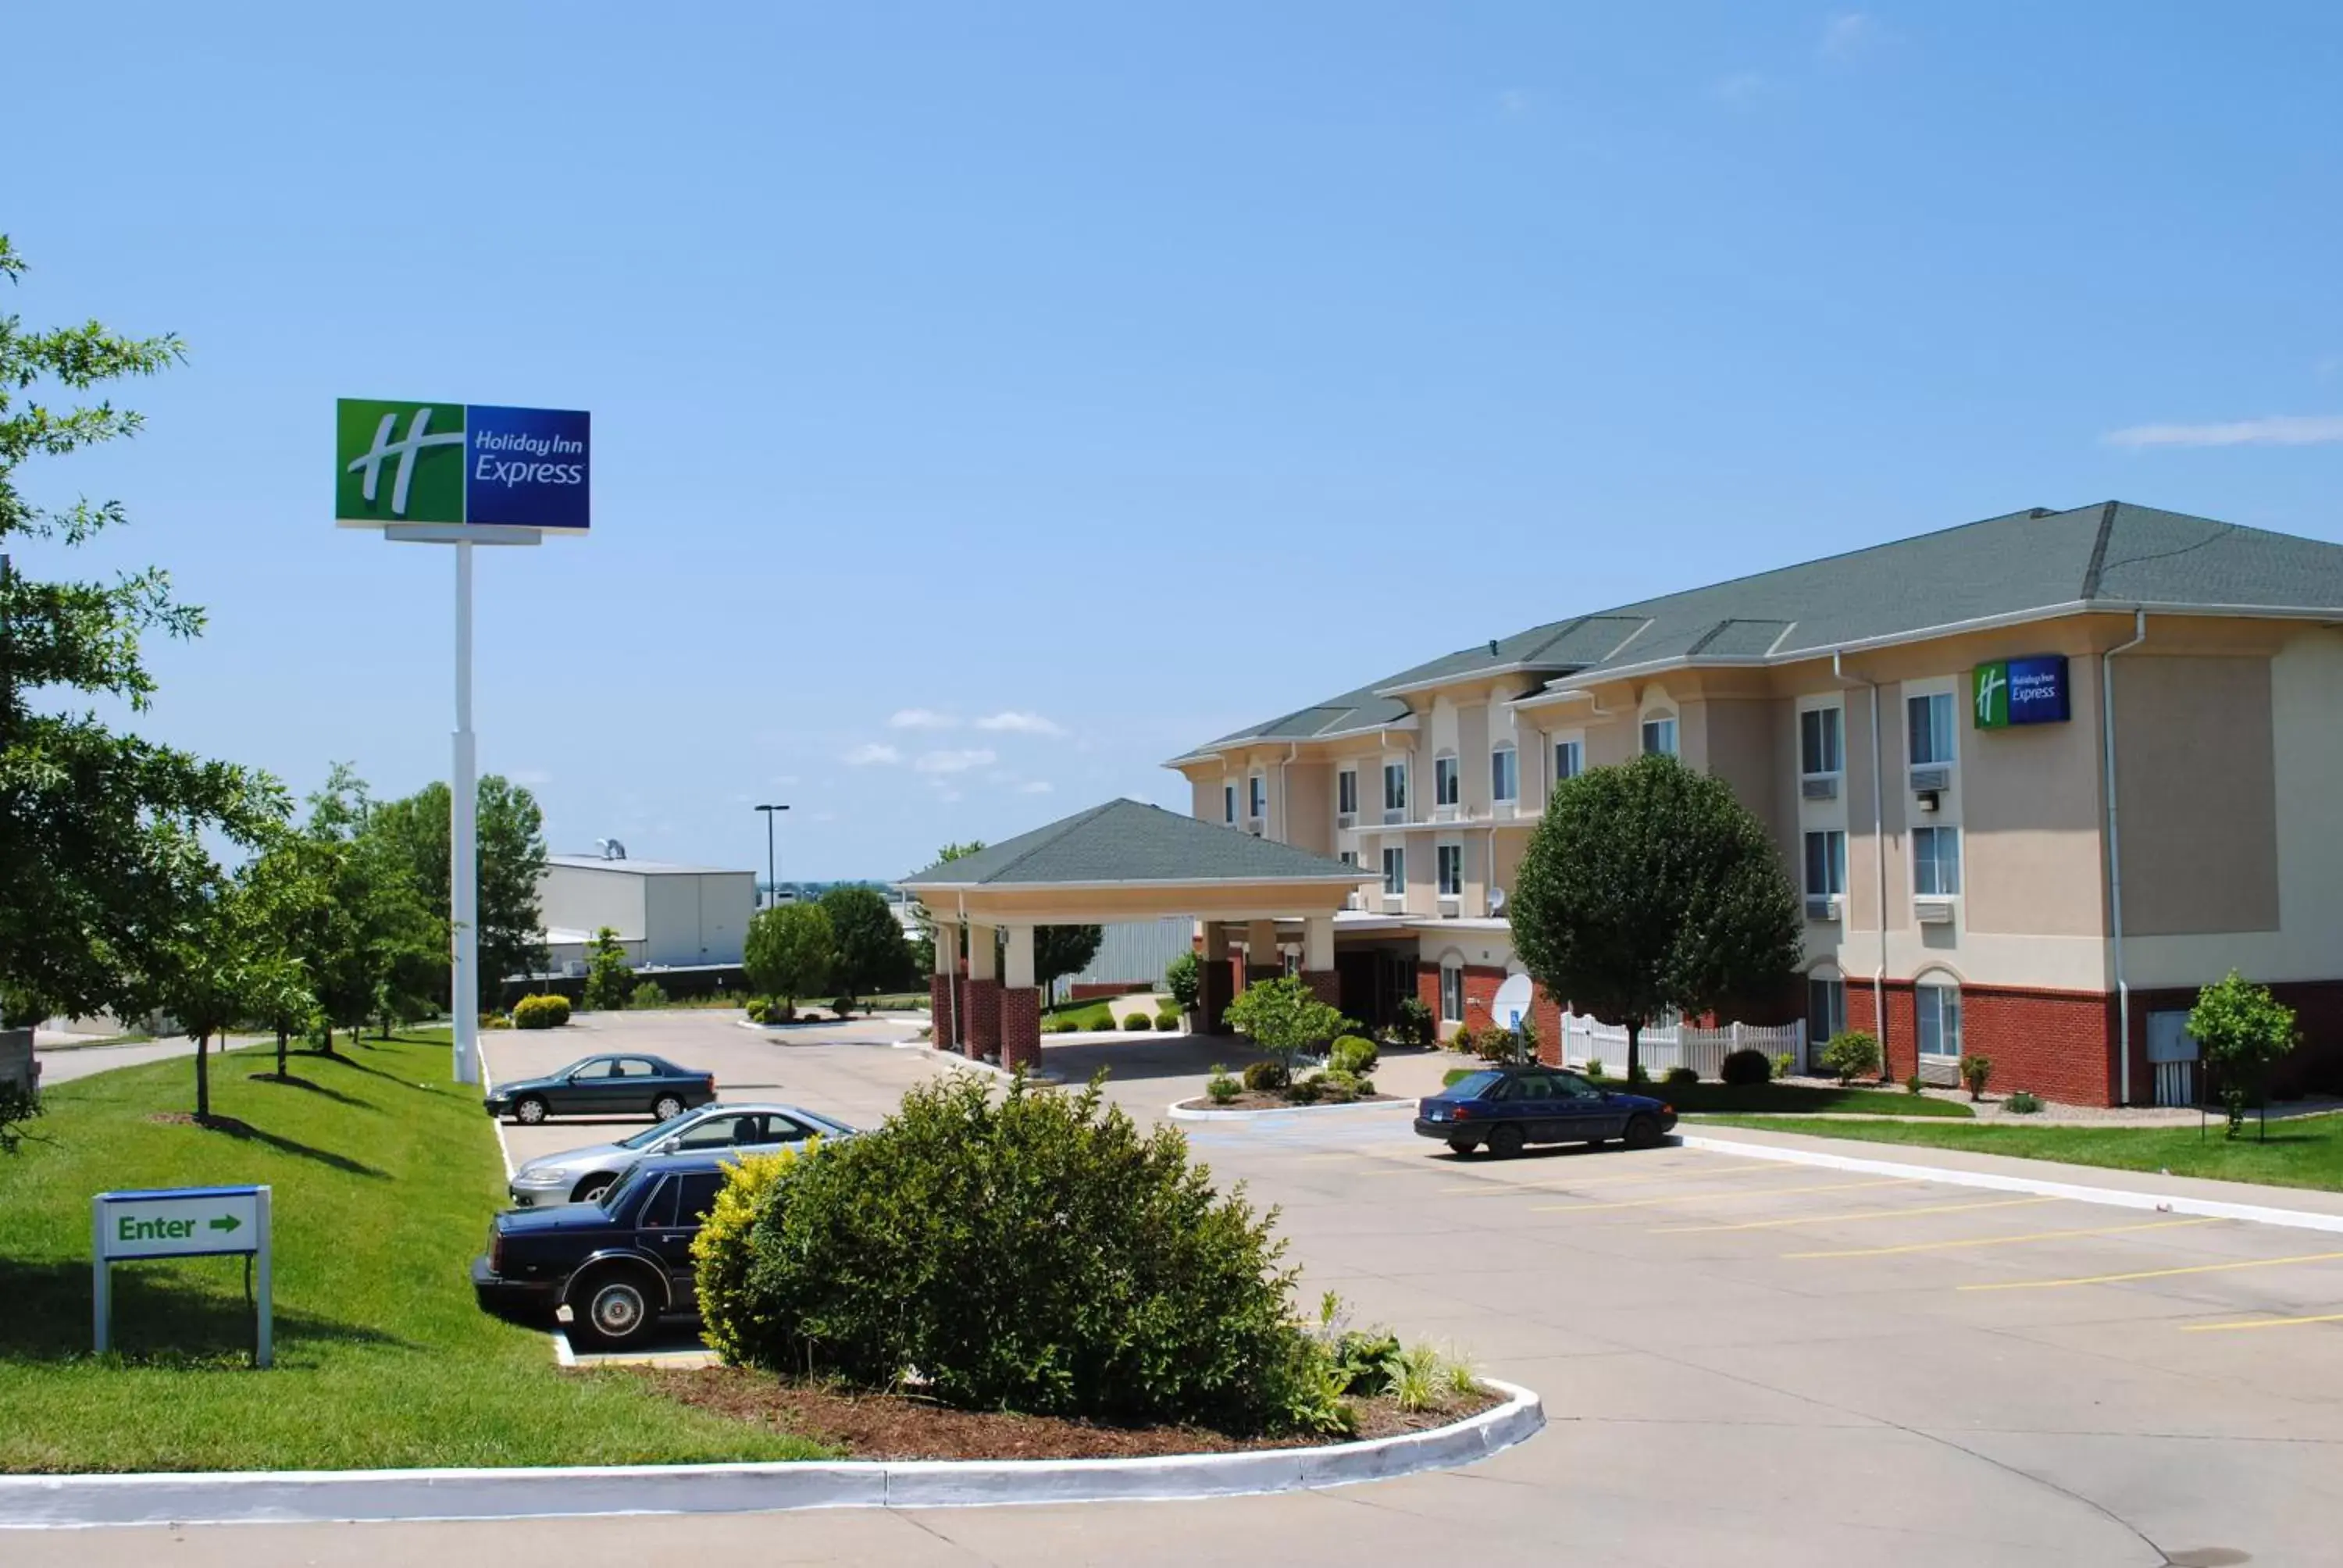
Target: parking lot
<point x="1742" y="1359"/>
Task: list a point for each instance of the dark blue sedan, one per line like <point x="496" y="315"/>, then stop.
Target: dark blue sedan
<point x="1506" y="1108"/>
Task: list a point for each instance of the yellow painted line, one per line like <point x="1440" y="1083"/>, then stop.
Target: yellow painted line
<point x="2002" y="1240"/>
<point x="1849" y="1218"/>
<point x="2261" y="1324"/>
<point x="1722" y="1197"/>
<point x="2156" y="1273"/>
<point x="1497" y="1185"/>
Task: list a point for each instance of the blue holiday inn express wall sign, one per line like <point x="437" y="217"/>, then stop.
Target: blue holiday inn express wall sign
<point x="462" y="464"/>
<point x="2009" y="691"/>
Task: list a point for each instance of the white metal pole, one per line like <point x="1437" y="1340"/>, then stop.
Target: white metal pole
<point x="463" y="856"/>
<point x="264" y="1304"/>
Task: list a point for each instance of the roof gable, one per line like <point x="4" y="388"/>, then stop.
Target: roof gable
<point x="1132" y="841"/>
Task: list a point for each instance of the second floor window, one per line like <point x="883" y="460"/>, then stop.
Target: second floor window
<point x="1825" y="864"/>
<point x="1935" y="861"/>
<point x="1394" y="786"/>
<point x="1504" y="774"/>
<point x="1346" y="791"/>
<point x="1444" y="780"/>
<point x="1451" y="871"/>
<point x="1569" y="759"/>
<point x="1228" y="802"/>
<point x="1394" y="871"/>
<point x="1348" y="857"/>
<point x="1257" y="796"/>
<point x="1659" y="737"/>
<point x="1820" y="748"/>
<point x="1932" y="729"/>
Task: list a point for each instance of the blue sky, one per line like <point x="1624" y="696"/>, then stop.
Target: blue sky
<point x="991" y="402"/>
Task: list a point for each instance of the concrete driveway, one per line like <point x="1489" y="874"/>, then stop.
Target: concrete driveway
<point x="1743" y="1362"/>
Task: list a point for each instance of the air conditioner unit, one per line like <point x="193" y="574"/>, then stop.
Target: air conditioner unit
<point x="1394" y="814"/>
<point x="1346" y="818"/>
<point x="1822" y="788"/>
<point x="1355" y="901"/>
<point x="1254" y="826"/>
<point x="1931" y="910"/>
<point x="1822" y="906"/>
<point x="1927" y="779"/>
<point x="1503" y="810"/>
<point x="1444" y="813"/>
<point x="1394" y="903"/>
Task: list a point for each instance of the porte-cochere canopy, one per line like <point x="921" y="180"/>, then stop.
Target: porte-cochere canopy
<point x="1123" y="861"/>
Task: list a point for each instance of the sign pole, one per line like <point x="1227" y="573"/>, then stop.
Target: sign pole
<point x="463" y="853"/>
<point x="264" y="1348"/>
<point x="101" y="1285"/>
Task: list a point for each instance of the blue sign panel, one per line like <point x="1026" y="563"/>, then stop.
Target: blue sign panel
<point x="527" y="467"/>
<point x="2037" y="690"/>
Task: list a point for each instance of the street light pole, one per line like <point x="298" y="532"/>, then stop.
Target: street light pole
<point x="772" y="887"/>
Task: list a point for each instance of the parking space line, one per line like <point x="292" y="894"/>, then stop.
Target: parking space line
<point x="1495" y="1184"/>
<point x="1722" y="1197"/>
<point x="2262" y="1323"/>
<point x="2006" y="1240"/>
<point x="2155" y="1274"/>
<point x="1848" y="1219"/>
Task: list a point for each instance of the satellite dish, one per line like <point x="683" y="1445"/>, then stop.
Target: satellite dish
<point x="611" y="848"/>
<point x="1496" y="901"/>
<point x="1513" y="1001"/>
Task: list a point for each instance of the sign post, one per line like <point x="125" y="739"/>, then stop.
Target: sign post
<point x="462" y="474"/>
<point x="181" y="1222"/>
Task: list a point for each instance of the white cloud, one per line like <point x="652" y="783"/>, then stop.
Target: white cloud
<point x="921" y="718"/>
<point x="1847" y="37"/>
<point x="872" y="751"/>
<point x="1021" y="723"/>
<point x="1035" y="786"/>
<point x="954" y="762"/>
<point x="2277" y="430"/>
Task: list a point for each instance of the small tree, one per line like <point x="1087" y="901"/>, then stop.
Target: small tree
<point x="1284" y="1017"/>
<point x="608" y="976"/>
<point x="19" y="1105"/>
<point x="872" y="951"/>
<point x="1648" y="886"/>
<point x="1063" y="950"/>
<point x="790" y="951"/>
<point x="1183" y="977"/>
<point x="2241" y="1029"/>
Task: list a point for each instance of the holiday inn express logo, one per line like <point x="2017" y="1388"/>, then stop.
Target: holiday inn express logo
<point x="476" y="465"/>
<point x="2014" y="691"/>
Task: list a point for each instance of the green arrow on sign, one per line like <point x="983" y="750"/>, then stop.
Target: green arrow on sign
<point x="226" y="1223"/>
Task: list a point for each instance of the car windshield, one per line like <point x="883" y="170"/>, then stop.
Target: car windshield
<point x="650" y="1135"/>
<point x="619" y="1193"/>
<point x="1472" y="1086"/>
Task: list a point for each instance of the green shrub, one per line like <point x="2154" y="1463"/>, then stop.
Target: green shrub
<point x="1594" y="1066"/>
<point x="1167" y="1021"/>
<point x="1497" y="1043"/>
<point x="1184" y="977"/>
<point x="723" y="1258"/>
<point x="494" y="1020"/>
<point x="1913" y="1085"/>
<point x="1744" y="1066"/>
<point x="1265" y="1076"/>
<point x="843" y="1006"/>
<point x="1681" y="1077"/>
<point x="1464" y="1040"/>
<point x="1355" y="1054"/>
<point x="1307" y="1090"/>
<point x="1976" y="1071"/>
<point x="549" y="1012"/>
<point x="1221" y="1086"/>
<point x="1851" y="1054"/>
<point x="2241" y="1030"/>
<point x="1064" y="1026"/>
<point x="1784" y="1064"/>
<point x="1034" y="1252"/>
<point x="1138" y="1023"/>
<point x="2021" y="1104"/>
<point x="1412" y="1024"/>
<point x="649" y="993"/>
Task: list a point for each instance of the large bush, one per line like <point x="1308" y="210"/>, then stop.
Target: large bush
<point x="540" y="1013"/>
<point x="1412" y="1024"/>
<point x="1851" y="1054"/>
<point x="1744" y="1066"/>
<point x="1034" y="1253"/>
<point x="1353" y="1053"/>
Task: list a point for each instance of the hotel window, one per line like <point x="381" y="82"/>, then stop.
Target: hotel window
<point x="1257" y="797"/>
<point x="1395" y="870"/>
<point x="1346" y="791"/>
<point x="1451" y="993"/>
<point x="1659" y="737"/>
<point x="1504" y="774"/>
<point x="1821" y="749"/>
<point x="1394" y="786"/>
<point x="1931" y="721"/>
<point x="1228" y="803"/>
<point x="1569" y="759"/>
<point x="1348" y="857"/>
<point x="1825" y="864"/>
<point x="1935" y="861"/>
<point x="1939" y="1009"/>
<point x="1444" y="781"/>
<point x="1826" y="1010"/>
<point x="1451" y="871"/>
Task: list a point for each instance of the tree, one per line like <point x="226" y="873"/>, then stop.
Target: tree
<point x="2241" y="1029"/>
<point x="102" y="835"/>
<point x="376" y="947"/>
<point x="1284" y="1017"/>
<point x="217" y="967"/>
<point x="790" y="951"/>
<point x="1183" y="977"/>
<point x="1647" y="887"/>
<point x="1063" y="950"/>
<point x="608" y="976"/>
<point x="871" y="952"/>
<point x="289" y="899"/>
<point x="511" y="840"/>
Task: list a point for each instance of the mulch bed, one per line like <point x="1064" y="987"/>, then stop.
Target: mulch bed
<point x="1267" y="1100"/>
<point x="899" y="1426"/>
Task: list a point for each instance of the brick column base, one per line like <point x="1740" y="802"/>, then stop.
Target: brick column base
<point x="1021" y="1027"/>
<point x="1213" y="998"/>
<point x="983" y="1017"/>
<point x="940" y="1011"/>
<point x="1325" y="985"/>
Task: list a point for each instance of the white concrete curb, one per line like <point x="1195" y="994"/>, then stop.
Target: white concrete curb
<point x="1996" y="1181"/>
<point x="311" y="1496"/>
<point x="1178" y="1114"/>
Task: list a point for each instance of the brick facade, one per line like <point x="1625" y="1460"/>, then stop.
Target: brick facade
<point x="1547" y="1014"/>
<point x="946" y="1010"/>
<point x="1325" y="985"/>
<point x="1096" y="990"/>
<point x="1480" y="983"/>
<point x="1021" y="1027"/>
<point x="981" y="1016"/>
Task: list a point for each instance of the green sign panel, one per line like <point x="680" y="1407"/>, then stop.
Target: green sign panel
<point x="398" y="462"/>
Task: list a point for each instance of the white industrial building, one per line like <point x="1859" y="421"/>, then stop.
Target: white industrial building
<point x="667" y="916"/>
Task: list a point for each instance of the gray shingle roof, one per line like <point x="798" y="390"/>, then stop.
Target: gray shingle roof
<point x="2112" y="555"/>
<point x="1131" y="841"/>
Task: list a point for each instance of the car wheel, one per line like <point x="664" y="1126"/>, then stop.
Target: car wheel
<point x="1461" y="1145"/>
<point x="1505" y="1143"/>
<point x="666" y="1108"/>
<point x="528" y="1110"/>
<point x="591" y="1188"/>
<point x="612" y="1307"/>
<point x="1642" y="1131"/>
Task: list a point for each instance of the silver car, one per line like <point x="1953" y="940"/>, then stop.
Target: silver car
<point x="580" y="1175"/>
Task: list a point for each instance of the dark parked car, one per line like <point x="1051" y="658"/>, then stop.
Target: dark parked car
<point x="620" y="1263"/>
<point x="630" y="1085"/>
<point x="1505" y="1108"/>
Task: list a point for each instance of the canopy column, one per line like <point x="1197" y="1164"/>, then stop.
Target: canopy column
<point x="983" y="1009"/>
<point x="1020" y="1002"/>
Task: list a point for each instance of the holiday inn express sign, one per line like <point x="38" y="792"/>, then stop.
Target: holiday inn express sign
<point x="2012" y="691"/>
<point x="466" y="465"/>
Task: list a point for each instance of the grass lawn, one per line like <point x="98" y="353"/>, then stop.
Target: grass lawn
<point x="2302" y="1151"/>
<point x="385" y="1176"/>
<point x="1705" y="1099"/>
<point x="1106" y="1013"/>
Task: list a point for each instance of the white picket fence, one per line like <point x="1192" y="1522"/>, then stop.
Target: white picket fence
<point x="1584" y="1039"/>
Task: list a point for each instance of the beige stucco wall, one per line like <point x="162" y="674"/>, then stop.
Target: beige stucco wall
<point x="1750" y="743"/>
<point x="2033" y="815"/>
<point x="1305" y="814"/>
<point x="1472" y="757"/>
<point x="2197" y="790"/>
